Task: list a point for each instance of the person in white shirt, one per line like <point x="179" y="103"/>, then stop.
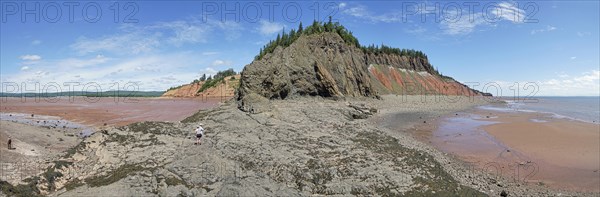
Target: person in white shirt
<point x="199" y="134"/>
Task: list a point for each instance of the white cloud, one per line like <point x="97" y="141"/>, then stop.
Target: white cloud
<point x="464" y="24"/>
<point x="592" y="76"/>
<point x="135" y="39"/>
<point x="183" y="32"/>
<point x="80" y="63"/>
<point x="24" y="68"/>
<point x="547" y="29"/>
<point x="467" y="24"/>
<point x="361" y="12"/>
<point x="210" y="71"/>
<point x="232" y="29"/>
<point x="221" y="63"/>
<point x="342" y="5"/>
<point x="585" y="84"/>
<point x="358" y="11"/>
<point x="36" y="42"/>
<point x="582" y="34"/>
<point x="30" y="57"/>
<point x="510" y="11"/>
<point x="573" y="57"/>
<point x="127" y="43"/>
<point x="141" y="69"/>
<point x="210" y="53"/>
<point x="41" y="73"/>
<point x="269" y="28"/>
<point x="416" y="30"/>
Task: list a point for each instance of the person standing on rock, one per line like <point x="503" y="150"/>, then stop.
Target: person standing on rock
<point x="9" y="143"/>
<point x="199" y="134"/>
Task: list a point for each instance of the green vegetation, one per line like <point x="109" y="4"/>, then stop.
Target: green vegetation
<point x="60" y="164"/>
<point x="209" y="84"/>
<point x="383" y="49"/>
<point x="173" y="181"/>
<point x="225" y="73"/>
<point x="51" y="175"/>
<point x="73" y="150"/>
<point x="210" y="81"/>
<point x="177" y="87"/>
<point x="114" y="176"/>
<point x="286" y="39"/>
<point x="73" y="184"/>
<point x="213" y="81"/>
<point x="27" y="190"/>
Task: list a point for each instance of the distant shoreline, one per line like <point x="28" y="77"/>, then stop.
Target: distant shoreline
<point x="86" y="94"/>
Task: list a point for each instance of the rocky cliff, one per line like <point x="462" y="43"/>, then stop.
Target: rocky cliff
<point x="325" y="65"/>
<point x="224" y="89"/>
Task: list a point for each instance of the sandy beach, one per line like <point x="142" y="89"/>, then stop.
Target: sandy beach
<point x="532" y="147"/>
<point x="567" y="151"/>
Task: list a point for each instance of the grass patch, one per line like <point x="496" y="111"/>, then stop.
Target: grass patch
<point x="74" y="184"/>
<point x="155" y="128"/>
<point x="210" y="83"/>
<point x="121" y="139"/>
<point x="51" y="175"/>
<point x="71" y="151"/>
<point x="116" y="175"/>
<point x="153" y="141"/>
<point x="173" y="181"/>
<point x="28" y="190"/>
<point x="60" y="164"/>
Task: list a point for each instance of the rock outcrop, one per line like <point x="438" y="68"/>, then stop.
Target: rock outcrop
<point x="304" y="147"/>
<point x="324" y="65"/>
<point x="225" y="89"/>
<point x="307" y="146"/>
<point x="314" y="65"/>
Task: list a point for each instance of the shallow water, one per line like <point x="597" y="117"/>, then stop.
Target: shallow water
<point x="585" y="109"/>
<point x="47" y="121"/>
<point x="462" y="135"/>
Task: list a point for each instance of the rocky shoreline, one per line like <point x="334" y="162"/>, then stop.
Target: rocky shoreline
<point x="297" y="147"/>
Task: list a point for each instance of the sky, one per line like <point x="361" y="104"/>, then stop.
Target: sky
<point x="507" y="48"/>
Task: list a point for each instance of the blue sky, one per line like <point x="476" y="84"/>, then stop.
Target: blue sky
<point x="160" y="44"/>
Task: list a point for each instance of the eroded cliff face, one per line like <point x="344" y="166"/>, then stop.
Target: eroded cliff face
<point x="189" y="90"/>
<point x="224" y="89"/>
<point x="394" y="80"/>
<point x="324" y="65"/>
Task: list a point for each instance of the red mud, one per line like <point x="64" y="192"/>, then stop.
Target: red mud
<point x="110" y="111"/>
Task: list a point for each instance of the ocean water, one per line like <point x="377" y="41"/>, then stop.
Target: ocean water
<point x="578" y="108"/>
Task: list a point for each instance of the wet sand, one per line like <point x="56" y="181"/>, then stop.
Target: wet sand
<point x="525" y="146"/>
<point x="567" y="151"/>
<point x="108" y="110"/>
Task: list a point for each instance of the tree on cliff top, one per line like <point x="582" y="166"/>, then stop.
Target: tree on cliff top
<point x="215" y="80"/>
<point x="286" y="39"/>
